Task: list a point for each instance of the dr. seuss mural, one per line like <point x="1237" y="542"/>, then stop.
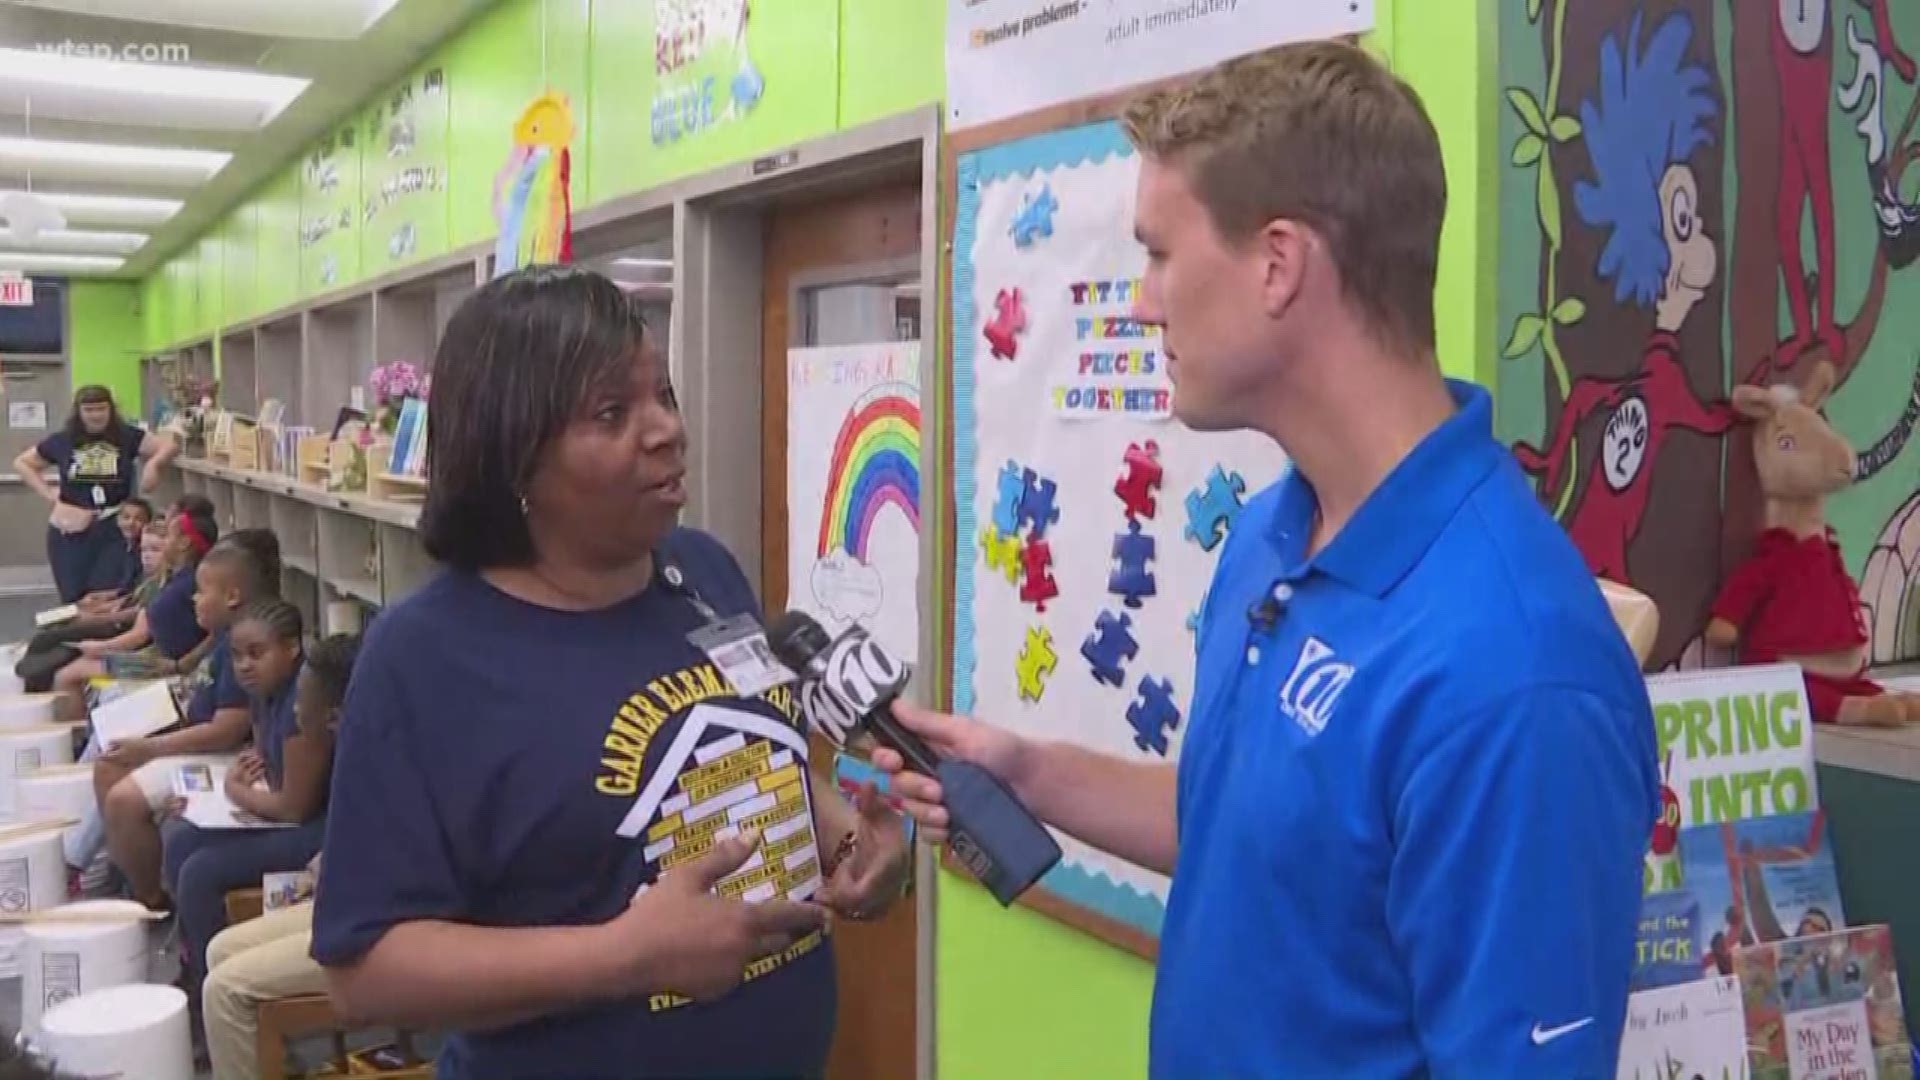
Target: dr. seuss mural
<point x="1696" y="195"/>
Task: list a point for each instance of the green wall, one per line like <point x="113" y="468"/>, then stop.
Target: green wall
<point x="104" y="333"/>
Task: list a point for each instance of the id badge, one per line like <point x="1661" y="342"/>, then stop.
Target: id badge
<point x="738" y="647"/>
<point x="99" y="495"/>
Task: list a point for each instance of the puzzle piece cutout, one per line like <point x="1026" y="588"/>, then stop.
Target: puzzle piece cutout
<point x="1110" y="644"/>
<point x="1003" y="553"/>
<point x="1152" y="715"/>
<point x="1009" y="322"/>
<point x="1130" y="579"/>
<point x="1035" y="219"/>
<point x="1142" y="476"/>
<point x="1036" y="663"/>
<point x="1036" y="504"/>
<point x="1212" y="508"/>
<point x="1006" y="505"/>
<point x="1039" y="587"/>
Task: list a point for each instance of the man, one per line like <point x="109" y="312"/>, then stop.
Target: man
<point x="1406" y="830"/>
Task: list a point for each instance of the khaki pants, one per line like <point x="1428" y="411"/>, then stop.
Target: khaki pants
<point x="259" y="960"/>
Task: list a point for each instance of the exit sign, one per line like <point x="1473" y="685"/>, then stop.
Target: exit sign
<point x="16" y="291"/>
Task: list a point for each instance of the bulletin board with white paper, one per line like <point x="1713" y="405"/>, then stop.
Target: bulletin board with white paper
<point x="1087" y="521"/>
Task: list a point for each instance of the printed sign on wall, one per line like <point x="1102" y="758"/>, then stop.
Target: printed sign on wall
<point x="405" y="215"/>
<point x="704" y="64"/>
<point x="1007" y="57"/>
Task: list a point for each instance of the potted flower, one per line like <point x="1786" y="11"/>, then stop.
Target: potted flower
<point x="392" y="384"/>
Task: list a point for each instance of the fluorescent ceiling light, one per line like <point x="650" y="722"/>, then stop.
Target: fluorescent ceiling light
<point x="110" y="209"/>
<point x="631" y="261"/>
<point x="37" y="260"/>
<point x="84" y="240"/>
<point x="56" y="158"/>
<point x="34" y="69"/>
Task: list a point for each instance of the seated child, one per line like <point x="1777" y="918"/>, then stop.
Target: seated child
<point x="266" y="959"/>
<point x="162" y="633"/>
<point x="133" y="518"/>
<point x="133" y="779"/>
<point x="281" y="778"/>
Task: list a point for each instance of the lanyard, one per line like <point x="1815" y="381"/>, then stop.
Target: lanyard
<point x="676" y="582"/>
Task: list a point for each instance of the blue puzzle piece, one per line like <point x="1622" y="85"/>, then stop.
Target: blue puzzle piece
<point x="1107" y="646"/>
<point x="1212" y="508"/>
<point x="1006" y="507"/>
<point x="1132" y="551"/>
<point x="1036" y="503"/>
<point x="1035" y="219"/>
<point x="1153" y="714"/>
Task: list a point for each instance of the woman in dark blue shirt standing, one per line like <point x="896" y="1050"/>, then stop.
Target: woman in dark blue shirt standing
<point x="98" y="456"/>
<point x="558" y="827"/>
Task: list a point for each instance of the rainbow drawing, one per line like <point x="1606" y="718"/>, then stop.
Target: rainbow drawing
<point x="876" y="464"/>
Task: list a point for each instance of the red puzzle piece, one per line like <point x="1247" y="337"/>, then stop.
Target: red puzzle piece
<point x="1010" y="321"/>
<point x="1136" y="486"/>
<point x="1038" y="587"/>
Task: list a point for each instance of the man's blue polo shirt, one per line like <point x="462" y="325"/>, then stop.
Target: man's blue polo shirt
<point x="1413" y="803"/>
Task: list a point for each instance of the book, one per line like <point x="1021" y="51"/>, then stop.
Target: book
<point x="56" y="616"/>
<point x="1825" y="1007"/>
<point x="133" y="667"/>
<point x="202" y="785"/>
<point x="285" y="889"/>
<point x="1667" y="944"/>
<point x="1758" y="880"/>
<point x="134" y="711"/>
<point x="1695" y="1029"/>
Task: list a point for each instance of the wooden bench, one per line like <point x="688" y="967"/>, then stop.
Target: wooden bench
<point x="285" y="1020"/>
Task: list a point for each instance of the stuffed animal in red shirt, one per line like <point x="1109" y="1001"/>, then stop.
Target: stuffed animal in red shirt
<point x="1792" y="599"/>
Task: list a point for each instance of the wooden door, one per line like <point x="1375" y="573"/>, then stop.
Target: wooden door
<point x="867" y="240"/>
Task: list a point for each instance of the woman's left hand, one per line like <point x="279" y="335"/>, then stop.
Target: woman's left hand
<point x="865" y="883"/>
<point x="150" y="478"/>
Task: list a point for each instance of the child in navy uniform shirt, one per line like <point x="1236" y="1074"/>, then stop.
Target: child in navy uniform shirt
<point x="556" y="827"/>
<point x="282" y="778"/>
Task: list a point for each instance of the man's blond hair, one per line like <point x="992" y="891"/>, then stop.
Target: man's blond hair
<point x="1323" y="134"/>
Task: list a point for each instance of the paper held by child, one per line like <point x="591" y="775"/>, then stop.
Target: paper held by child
<point x="202" y="785"/>
<point x="141" y="712"/>
<point x="285" y="889"/>
<point x="56" y="616"/>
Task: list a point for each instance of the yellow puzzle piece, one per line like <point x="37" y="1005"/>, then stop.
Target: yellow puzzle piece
<point x="1037" y="661"/>
<point x="1003" y="553"/>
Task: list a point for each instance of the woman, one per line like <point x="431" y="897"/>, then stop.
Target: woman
<point x="98" y="458"/>
<point x="555" y="827"/>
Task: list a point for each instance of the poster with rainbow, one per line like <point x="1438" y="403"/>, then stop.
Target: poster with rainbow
<point x="853" y="489"/>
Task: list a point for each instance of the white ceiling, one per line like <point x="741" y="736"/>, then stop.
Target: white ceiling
<point x="143" y="121"/>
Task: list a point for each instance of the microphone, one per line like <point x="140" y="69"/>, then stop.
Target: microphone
<point x="848" y="685"/>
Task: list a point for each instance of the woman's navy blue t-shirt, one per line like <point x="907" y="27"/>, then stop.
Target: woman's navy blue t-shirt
<point x="507" y="765"/>
<point x="170" y="617"/>
<point x="100" y="472"/>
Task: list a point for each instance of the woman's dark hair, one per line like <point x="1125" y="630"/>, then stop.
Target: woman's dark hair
<point x="193" y="504"/>
<point x="282" y="618"/>
<point x="331" y="664"/>
<point x="255" y="555"/>
<point x="94" y="395"/>
<point x="517" y="361"/>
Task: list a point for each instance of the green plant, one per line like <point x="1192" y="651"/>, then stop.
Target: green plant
<point x="1534" y="150"/>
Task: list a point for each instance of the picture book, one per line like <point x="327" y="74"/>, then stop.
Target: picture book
<point x="1667" y="945"/>
<point x="56" y="616"/>
<point x="1758" y="880"/>
<point x="141" y="709"/>
<point x="285" y="889"/>
<point x="1825" y="1007"/>
<point x="202" y="786"/>
<point x="1692" y="1030"/>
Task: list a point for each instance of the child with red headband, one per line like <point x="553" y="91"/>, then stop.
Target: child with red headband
<point x="164" y="635"/>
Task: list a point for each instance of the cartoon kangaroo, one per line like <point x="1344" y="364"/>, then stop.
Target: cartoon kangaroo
<point x="1792" y="599"/>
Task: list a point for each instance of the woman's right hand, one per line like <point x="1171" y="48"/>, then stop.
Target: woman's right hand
<point x="679" y="936"/>
<point x="69" y="518"/>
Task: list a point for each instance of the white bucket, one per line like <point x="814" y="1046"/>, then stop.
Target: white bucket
<point x="33" y="877"/>
<point x="19" y="710"/>
<point x="55" y="791"/>
<point x="26" y="750"/>
<point x="60" y="961"/>
<point x="124" y="1032"/>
